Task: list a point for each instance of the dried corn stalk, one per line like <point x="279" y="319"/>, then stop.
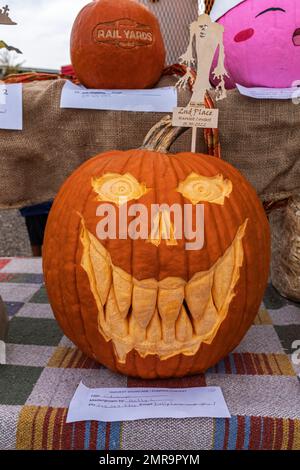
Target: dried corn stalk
<point x="285" y="270"/>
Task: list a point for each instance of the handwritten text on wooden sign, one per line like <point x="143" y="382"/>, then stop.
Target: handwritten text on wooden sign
<point x="196" y="117"/>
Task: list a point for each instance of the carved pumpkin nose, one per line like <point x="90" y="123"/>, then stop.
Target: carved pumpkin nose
<point x="163" y="230"/>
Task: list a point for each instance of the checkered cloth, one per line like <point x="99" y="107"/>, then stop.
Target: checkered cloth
<point x="43" y="370"/>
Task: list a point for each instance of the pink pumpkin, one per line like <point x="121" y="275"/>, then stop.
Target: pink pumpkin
<point x="262" y="41"/>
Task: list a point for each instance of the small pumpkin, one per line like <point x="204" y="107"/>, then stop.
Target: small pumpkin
<point x="150" y="304"/>
<point x="117" y="45"/>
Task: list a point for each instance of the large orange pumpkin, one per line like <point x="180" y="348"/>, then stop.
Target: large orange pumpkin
<point x="117" y="44"/>
<point x="151" y="306"/>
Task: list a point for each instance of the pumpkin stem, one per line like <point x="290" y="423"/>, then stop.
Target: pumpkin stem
<point x="161" y="137"/>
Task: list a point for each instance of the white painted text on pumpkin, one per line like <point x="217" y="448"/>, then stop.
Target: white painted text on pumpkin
<point x="159" y="224"/>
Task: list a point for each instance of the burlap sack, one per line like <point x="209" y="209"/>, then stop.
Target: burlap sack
<point x="54" y="142"/>
<point x="285" y="270"/>
<point x="260" y="138"/>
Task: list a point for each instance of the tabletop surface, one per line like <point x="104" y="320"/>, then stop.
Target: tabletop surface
<point x="259" y="380"/>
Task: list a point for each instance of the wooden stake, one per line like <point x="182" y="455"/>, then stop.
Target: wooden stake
<point x="194" y="139"/>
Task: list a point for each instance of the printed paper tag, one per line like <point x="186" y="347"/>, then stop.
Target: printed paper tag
<point x="195" y="117"/>
<point x="11" y="112"/>
<point x="270" y="93"/>
<point x="129" y="404"/>
<point x="155" y="100"/>
<point x="2" y="353"/>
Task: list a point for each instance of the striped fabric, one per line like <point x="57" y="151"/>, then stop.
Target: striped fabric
<point x="71" y="358"/>
<point x="45" y="428"/>
<point x="242" y="364"/>
<point x="255" y="364"/>
<point x="256" y="433"/>
<point x="259" y="381"/>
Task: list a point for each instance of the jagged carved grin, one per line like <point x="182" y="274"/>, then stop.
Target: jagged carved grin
<point x="163" y="318"/>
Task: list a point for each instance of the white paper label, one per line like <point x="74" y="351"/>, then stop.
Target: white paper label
<point x="11" y="107"/>
<point x="270" y="93"/>
<point x="2" y="353"/>
<point x="129" y="404"/>
<point x="155" y="100"/>
<point x="196" y="117"/>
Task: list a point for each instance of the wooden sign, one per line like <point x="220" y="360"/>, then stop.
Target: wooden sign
<point x="4" y="16"/>
<point x="206" y="37"/>
<point x="196" y="117"/>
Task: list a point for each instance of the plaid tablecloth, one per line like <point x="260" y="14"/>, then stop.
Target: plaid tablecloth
<point x="259" y="381"/>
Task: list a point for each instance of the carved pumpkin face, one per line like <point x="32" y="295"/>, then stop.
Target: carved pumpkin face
<point x="151" y="307"/>
<point x="262" y="41"/>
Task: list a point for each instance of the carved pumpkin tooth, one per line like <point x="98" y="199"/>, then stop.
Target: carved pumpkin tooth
<point x="184" y="329"/>
<point x="102" y="268"/>
<point x="198" y="292"/>
<point x="123" y="290"/>
<point x="227" y="271"/>
<point x="102" y="322"/>
<point x="136" y="331"/>
<point x="170" y="299"/>
<point x="122" y="349"/>
<point x="208" y="321"/>
<point x="144" y="300"/>
<point x="114" y="320"/>
<point x="223" y="278"/>
<point x="154" y="333"/>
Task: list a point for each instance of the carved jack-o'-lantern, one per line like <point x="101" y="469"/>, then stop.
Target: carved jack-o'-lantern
<point x="149" y="291"/>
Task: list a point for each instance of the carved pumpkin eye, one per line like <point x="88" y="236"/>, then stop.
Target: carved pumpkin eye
<point x="118" y="189"/>
<point x="198" y="188"/>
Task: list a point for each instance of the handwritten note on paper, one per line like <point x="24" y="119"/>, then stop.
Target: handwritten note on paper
<point x="11" y="107"/>
<point x="129" y="404"/>
<point x="155" y="100"/>
<point x="195" y="117"/>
